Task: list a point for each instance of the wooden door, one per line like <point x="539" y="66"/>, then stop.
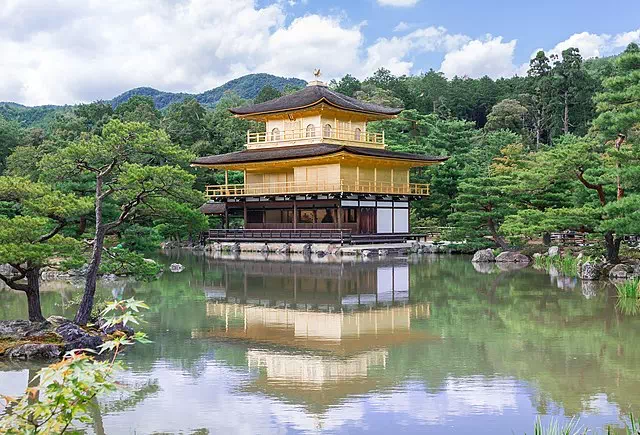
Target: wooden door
<point x="367" y="220"/>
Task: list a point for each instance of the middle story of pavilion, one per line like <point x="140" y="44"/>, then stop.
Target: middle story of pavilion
<point x="317" y="167"/>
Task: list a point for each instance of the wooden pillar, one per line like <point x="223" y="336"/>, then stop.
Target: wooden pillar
<point x="339" y="214"/>
<point x="225" y="224"/>
<point x="295" y="214"/>
<point x="245" y="214"/>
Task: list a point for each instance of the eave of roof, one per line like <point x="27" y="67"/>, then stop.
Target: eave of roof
<point x="308" y="151"/>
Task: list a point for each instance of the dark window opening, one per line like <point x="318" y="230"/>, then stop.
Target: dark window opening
<point x="255" y="216"/>
<point x="349" y="215"/>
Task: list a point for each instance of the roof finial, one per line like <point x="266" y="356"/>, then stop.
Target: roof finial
<point x="316" y="81"/>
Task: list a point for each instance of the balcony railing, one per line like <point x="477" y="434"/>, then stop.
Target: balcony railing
<point x="303" y="187"/>
<point x="311" y="133"/>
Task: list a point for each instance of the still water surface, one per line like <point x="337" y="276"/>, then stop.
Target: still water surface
<point x="427" y="344"/>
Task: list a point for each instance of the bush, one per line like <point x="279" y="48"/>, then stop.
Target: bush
<point x="142" y="239"/>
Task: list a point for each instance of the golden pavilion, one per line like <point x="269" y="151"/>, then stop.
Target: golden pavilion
<point x="316" y="173"/>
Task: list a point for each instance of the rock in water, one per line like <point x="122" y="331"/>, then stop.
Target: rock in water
<point x="77" y="338"/>
<point x="512" y="257"/>
<point x="621" y="271"/>
<point x="176" y="267"/>
<point x="589" y="271"/>
<point x="37" y="351"/>
<point x="553" y="251"/>
<point x="484" y="256"/>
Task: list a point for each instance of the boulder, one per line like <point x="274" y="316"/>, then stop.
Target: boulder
<point x="81" y="271"/>
<point x="589" y="271"/>
<point x="306" y="249"/>
<point x="34" y="351"/>
<point x="512" y="257"/>
<point x="553" y="251"/>
<point x="176" y="267"/>
<point x="621" y="271"/>
<point x="23" y="329"/>
<point x="74" y="336"/>
<point x="383" y="252"/>
<point x="483" y="256"/>
<point x="320" y="254"/>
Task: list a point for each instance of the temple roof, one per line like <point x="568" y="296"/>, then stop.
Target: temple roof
<point x="213" y="208"/>
<point x="310" y="96"/>
<point x="306" y="151"/>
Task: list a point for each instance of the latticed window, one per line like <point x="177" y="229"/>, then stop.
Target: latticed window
<point x="275" y="134"/>
<point x="311" y="130"/>
<point x="327" y="130"/>
<point x="358" y="134"/>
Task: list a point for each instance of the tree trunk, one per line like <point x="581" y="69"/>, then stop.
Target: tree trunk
<point x="613" y="247"/>
<point x="497" y="238"/>
<point x="33" y="295"/>
<point x="86" y="305"/>
<point x="31" y="289"/>
<point x="82" y="226"/>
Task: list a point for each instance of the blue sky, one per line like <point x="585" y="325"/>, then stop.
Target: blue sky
<point x="534" y="24"/>
<point x="69" y="51"/>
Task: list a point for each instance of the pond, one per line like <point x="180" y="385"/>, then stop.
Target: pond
<point x="261" y="345"/>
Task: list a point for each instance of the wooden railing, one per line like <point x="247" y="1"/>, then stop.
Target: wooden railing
<point x="278" y="235"/>
<point x="353" y="135"/>
<point x="302" y="187"/>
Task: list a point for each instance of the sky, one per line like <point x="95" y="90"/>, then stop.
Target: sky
<point x="71" y="51"/>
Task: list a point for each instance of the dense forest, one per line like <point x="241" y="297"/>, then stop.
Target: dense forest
<point x="555" y="150"/>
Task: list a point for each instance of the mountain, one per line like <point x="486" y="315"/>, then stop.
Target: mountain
<point x="246" y="87"/>
<point x="37" y="116"/>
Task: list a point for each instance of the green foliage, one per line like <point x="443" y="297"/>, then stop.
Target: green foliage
<point x="139" y="109"/>
<point x="347" y="85"/>
<point x="65" y="391"/>
<point x="120" y="261"/>
<point x="29" y="234"/>
<point x="267" y="93"/>
<point x="618" y="106"/>
<point x="507" y="115"/>
<point x="11" y="135"/>
<point x="139" y="238"/>
<point x="572" y="427"/>
<point x="629" y="289"/>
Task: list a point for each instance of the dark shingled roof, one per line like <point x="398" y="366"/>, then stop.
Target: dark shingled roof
<point x="310" y="96"/>
<point x="213" y="208"/>
<point x="304" y="151"/>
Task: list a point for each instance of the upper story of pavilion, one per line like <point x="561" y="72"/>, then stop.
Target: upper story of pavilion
<point x="314" y="115"/>
<point x="316" y="141"/>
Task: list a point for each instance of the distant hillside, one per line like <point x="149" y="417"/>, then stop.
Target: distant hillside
<point x="246" y="87"/>
<point x="38" y="116"/>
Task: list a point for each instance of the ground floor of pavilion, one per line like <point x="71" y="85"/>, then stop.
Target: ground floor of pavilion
<point x="320" y="218"/>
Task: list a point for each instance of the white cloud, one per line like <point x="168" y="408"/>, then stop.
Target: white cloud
<point x="589" y="44"/>
<point x="310" y="42"/>
<point x="398" y="3"/>
<point x="595" y="45"/>
<point x="478" y="58"/>
<point x="401" y="27"/>
<point x="68" y="51"/>
<point x="392" y="53"/>
<point x="623" y="39"/>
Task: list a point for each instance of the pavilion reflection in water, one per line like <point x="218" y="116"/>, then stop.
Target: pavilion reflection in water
<point x="315" y="331"/>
